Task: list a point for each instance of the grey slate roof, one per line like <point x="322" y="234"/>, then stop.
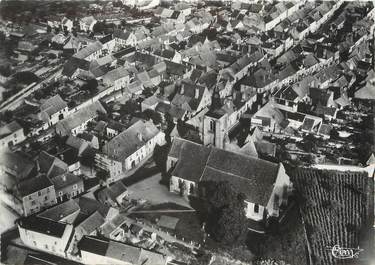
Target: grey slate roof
<point x="79" y="117"/>
<point x="53" y="105"/>
<point x="127" y="142"/>
<point x="32" y="185"/>
<point x="60" y="211"/>
<point x="252" y="176"/>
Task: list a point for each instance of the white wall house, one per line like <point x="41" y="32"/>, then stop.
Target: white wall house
<point x="36" y="194"/>
<point x="131" y="147"/>
<point x="76" y="122"/>
<point x="45" y="235"/>
<point x="87" y="23"/>
<point x="118" y="78"/>
<point x="11" y="134"/>
<point x="53" y="110"/>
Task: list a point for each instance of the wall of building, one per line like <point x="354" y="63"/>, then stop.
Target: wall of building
<point x="251" y="214"/>
<point x="91" y="258"/>
<point x="143" y="152"/>
<point x="46" y="243"/>
<point x="174" y="186"/>
<point x="70" y="191"/>
<point x="12" y="139"/>
<point x="215" y="137"/>
<point x="280" y="193"/>
<point x="39" y="200"/>
<point x="113" y="167"/>
<point x="55" y="118"/>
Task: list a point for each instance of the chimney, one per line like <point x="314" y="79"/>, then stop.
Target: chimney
<point x="196" y="93"/>
<point x="182" y="90"/>
<point x="139" y="136"/>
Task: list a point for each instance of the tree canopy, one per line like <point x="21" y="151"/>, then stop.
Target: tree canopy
<point x="225" y="209"/>
<point x="91" y="85"/>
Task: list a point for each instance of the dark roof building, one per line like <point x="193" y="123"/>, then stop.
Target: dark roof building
<point x="33" y="185"/>
<point x="252" y="176"/>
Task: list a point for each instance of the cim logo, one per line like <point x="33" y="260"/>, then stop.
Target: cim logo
<point x="339" y="252"/>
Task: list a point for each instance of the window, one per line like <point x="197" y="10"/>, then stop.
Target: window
<point x="15" y="135"/>
<point x="212" y="125"/>
<point x="256" y="208"/>
<point x="39" y="193"/>
<point x="45" y="198"/>
<point x="61" y="193"/>
<point x="75" y="186"/>
<point x="33" y="202"/>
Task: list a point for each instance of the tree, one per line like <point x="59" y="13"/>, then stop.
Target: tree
<point x="130" y="107"/>
<point x="7" y="116"/>
<point x="99" y="27"/>
<point x="153" y="115"/>
<point x="25" y="77"/>
<point x="91" y="85"/>
<point x="308" y="143"/>
<point x="225" y="212"/>
<point x="102" y="175"/>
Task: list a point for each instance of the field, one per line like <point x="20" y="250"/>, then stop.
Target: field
<point x="336" y="210"/>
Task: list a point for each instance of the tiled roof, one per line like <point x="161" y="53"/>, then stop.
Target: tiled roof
<point x="252" y="176"/>
<point x="192" y="157"/>
<point x="32" y="185"/>
<point x="79" y="117"/>
<point x="43" y="226"/>
<point x="47" y="161"/>
<point x="130" y="140"/>
<point x="65" y="180"/>
<point x="88" y="50"/>
<point x="120" y="251"/>
<point x="115" y="74"/>
<point x="53" y="105"/>
<point x="91" y="223"/>
<point x="60" y="211"/>
<point x="73" y="64"/>
<point x="186" y="95"/>
<point x="325" y="129"/>
<point x="121" y="34"/>
<point x="9" y="128"/>
<point x="16" y="164"/>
